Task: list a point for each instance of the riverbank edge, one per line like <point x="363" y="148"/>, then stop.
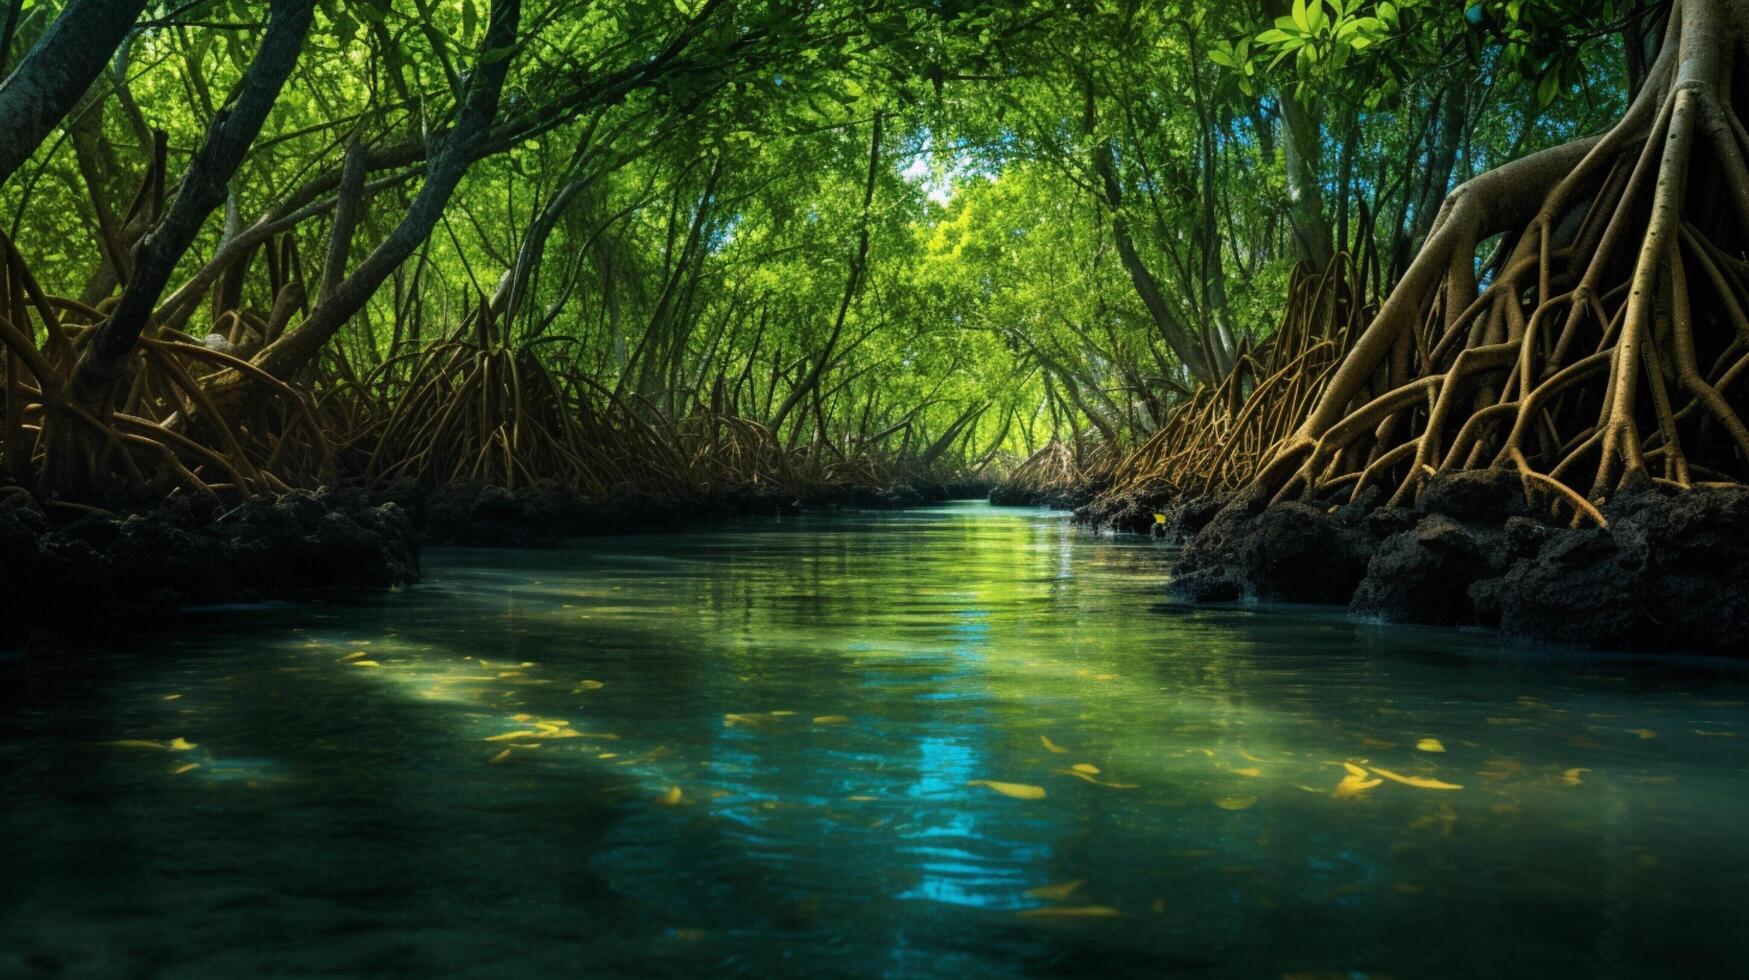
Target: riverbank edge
<point x="98" y="575"/>
<point x="1669" y="572"/>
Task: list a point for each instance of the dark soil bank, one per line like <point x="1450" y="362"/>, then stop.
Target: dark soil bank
<point x="101" y="573"/>
<point x="1671" y="571"/>
<point x="544" y="514"/>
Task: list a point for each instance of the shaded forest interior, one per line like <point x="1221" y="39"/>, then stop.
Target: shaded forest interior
<point x="724" y="250"/>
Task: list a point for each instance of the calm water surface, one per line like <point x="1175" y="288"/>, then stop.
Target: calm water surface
<point x="948" y="742"/>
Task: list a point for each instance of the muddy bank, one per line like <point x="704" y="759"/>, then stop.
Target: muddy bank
<point x="1669" y="573"/>
<point x="545" y="515"/>
<point x="102" y="573"/>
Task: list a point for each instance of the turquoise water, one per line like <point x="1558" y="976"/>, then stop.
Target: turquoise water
<point x="955" y="741"/>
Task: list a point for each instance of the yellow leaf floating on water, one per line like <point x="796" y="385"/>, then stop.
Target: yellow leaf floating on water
<point x="1086" y="767"/>
<point x="1051" y="746"/>
<point x="180" y="744"/>
<point x="780" y="713"/>
<point x="1020" y="791"/>
<point x="365" y="663"/>
<point x="588" y="686"/>
<point x="354" y="655"/>
<point x="512" y="736"/>
<point x="1571" y="776"/>
<point x="171" y="697"/>
<point x="1071" y="912"/>
<point x="1236" y="802"/>
<point x="1353" y="785"/>
<point x="671" y="796"/>
<point x="1430" y="745"/>
<point x="1419" y="782"/>
<point x="500" y="757"/>
<point x="1354" y="770"/>
<point x="185" y="767"/>
<point x="832" y="720"/>
<point x="1252" y="771"/>
<point x="138" y="743"/>
<point x="1057" y="892"/>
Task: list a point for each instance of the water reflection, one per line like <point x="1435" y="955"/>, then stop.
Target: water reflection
<point x="946" y="742"/>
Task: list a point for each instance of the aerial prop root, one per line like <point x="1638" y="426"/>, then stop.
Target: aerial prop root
<point x="1609" y="338"/>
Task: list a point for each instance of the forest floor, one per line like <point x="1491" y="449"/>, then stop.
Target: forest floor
<point x="1667" y="572"/>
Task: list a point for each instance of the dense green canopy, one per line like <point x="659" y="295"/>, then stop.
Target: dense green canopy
<point x="941" y="231"/>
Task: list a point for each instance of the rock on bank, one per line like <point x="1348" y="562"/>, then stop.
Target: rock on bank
<point x="100" y="572"/>
<point x="1670" y="572"/>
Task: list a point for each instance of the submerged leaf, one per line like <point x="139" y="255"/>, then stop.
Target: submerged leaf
<point x="1236" y="802"/>
<point x="1020" y="791"/>
<point x="180" y="744"/>
<point x="832" y="720"/>
<point x="1070" y="912"/>
<point x="1353" y="785"/>
<point x="1051" y="746"/>
<point x="138" y="743"/>
<point x="588" y="686"/>
<point x="1571" y="776"/>
<point x="1430" y="745"/>
<point x="354" y="655"/>
<point x="1419" y="782"/>
<point x="185" y="767"/>
<point x="1086" y="767"/>
<point x="671" y="797"/>
<point x="512" y="736"/>
<point x="368" y="663"/>
<point x="1057" y="892"/>
<point x="500" y="757"/>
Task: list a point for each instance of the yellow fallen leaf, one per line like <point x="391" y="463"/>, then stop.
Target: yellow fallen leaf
<point x="354" y="655"/>
<point x="1353" y="770"/>
<point x="1430" y="745"/>
<point x="1086" y="767"/>
<point x="138" y="743"/>
<point x="1571" y="776"/>
<point x="500" y="757"/>
<point x="365" y="663"/>
<point x="180" y="744"/>
<point x="1353" y="785"/>
<point x="512" y="736"/>
<point x="832" y="720"/>
<point x="1248" y="771"/>
<point x="1051" y="746"/>
<point x="589" y="686"/>
<point x="1020" y="791"/>
<point x="1071" y="912"/>
<point x="1057" y="892"/>
<point x="671" y="797"/>
<point x="780" y="714"/>
<point x="185" y="767"/>
<point x="1644" y="732"/>
<point x="1236" y="802"/>
<point x="171" y="697"/>
<point x="1419" y="782"/>
<point x="608" y="755"/>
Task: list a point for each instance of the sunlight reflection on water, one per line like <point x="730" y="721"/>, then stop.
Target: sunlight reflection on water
<point x="952" y="741"/>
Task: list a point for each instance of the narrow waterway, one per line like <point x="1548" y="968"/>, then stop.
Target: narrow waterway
<point x="955" y="741"/>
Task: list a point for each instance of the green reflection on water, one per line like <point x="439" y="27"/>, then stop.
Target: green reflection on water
<point x="750" y="749"/>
